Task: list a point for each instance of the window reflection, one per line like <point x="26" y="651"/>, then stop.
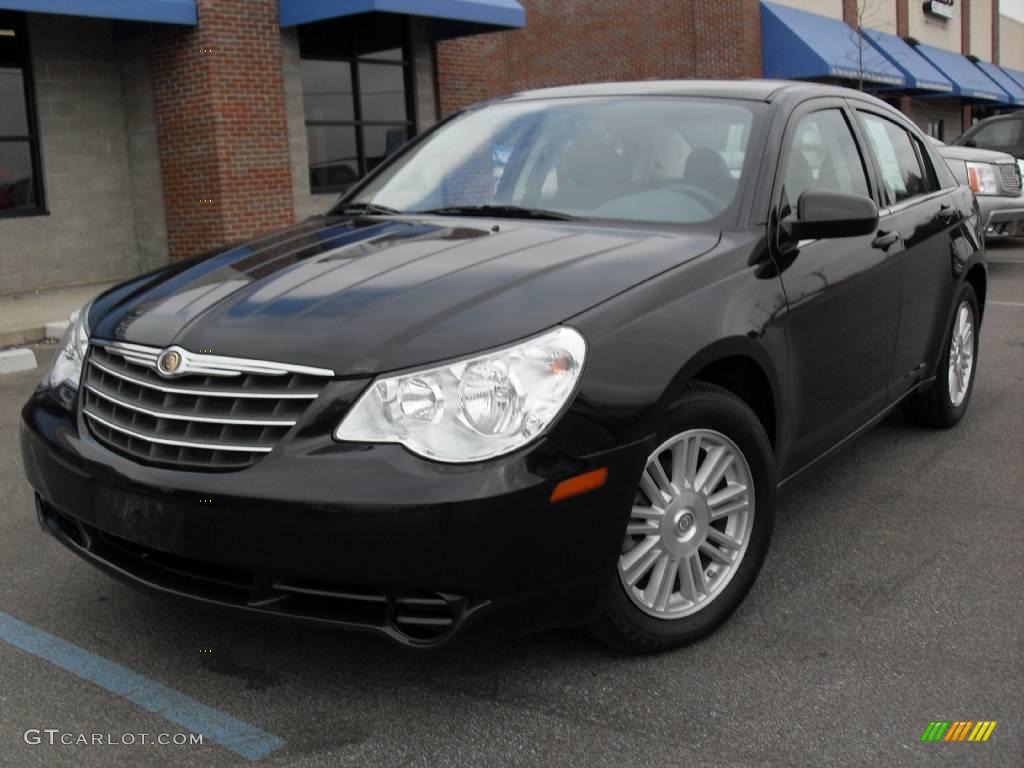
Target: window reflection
<point x="355" y="83"/>
<point x="20" y="189"/>
<point x="333" y="156"/>
<point x="13" y="114"/>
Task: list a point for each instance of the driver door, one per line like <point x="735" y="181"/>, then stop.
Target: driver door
<point x="843" y="293"/>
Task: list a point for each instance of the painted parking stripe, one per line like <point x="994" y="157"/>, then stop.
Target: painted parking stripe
<point x="1006" y="303"/>
<point x="219" y="727"/>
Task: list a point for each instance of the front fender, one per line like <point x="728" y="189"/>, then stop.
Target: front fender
<point x="645" y="344"/>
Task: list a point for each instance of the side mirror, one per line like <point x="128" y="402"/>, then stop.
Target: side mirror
<point x="821" y="215"/>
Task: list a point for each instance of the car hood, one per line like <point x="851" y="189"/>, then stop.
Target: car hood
<point x="375" y="294"/>
<point x="971" y="154"/>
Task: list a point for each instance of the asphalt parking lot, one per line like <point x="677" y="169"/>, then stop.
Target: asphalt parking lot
<point x="891" y="597"/>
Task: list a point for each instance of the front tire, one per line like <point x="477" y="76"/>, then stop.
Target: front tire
<point x="700" y="526"/>
<point x="944" y="403"/>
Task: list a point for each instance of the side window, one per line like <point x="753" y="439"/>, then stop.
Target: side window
<point x="942" y="170"/>
<point x="901" y="169"/>
<point x="931" y="178"/>
<point x="823" y="156"/>
<point x="999" y="133"/>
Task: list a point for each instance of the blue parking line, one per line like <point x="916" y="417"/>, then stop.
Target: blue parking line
<point x="221" y="728"/>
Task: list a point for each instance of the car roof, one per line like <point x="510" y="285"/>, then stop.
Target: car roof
<point x="752" y="90"/>
<point x="997" y="118"/>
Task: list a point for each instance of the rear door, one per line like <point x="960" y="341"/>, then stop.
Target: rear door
<point x="925" y="216"/>
<point x="843" y="292"/>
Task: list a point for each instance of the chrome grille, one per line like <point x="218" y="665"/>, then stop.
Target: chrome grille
<point x="217" y="413"/>
<point x="1010" y="176"/>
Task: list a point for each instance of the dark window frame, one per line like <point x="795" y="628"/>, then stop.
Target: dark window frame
<point x="931" y="177"/>
<point x="807" y="109"/>
<point x="920" y="153"/>
<point x="354" y="58"/>
<point x="23" y="60"/>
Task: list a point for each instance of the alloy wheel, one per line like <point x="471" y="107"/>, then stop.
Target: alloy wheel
<point x="961" y="354"/>
<point x="691" y="522"/>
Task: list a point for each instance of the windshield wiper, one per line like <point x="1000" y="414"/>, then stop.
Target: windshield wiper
<point x="371" y="208"/>
<point x="501" y="211"/>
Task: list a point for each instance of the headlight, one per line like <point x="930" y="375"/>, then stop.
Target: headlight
<point x="66" y="370"/>
<point x="982" y="178"/>
<point x="475" y="408"/>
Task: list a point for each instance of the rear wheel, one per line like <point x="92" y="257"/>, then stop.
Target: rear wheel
<point x="699" y="528"/>
<point x="945" y="402"/>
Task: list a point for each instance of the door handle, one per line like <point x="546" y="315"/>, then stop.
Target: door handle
<point x="885" y="240"/>
<point x="948" y="214"/>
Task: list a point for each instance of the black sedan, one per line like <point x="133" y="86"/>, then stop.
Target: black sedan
<point x="547" y="366"/>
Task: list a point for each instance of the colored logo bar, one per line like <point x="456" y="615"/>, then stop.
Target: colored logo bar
<point x="958" y="730"/>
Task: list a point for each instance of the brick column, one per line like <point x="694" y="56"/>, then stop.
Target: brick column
<point x="850" y="12"/>
<point x="902" y="17"/>
<point x="902" y="30"/>
<point x="965" y="49"/>
<point x="222" y="127"/>
<point x="995" y="31"/>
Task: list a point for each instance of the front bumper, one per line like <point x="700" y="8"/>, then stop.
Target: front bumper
<point x="368" y="538"/>
<point x="1002" y="216"/>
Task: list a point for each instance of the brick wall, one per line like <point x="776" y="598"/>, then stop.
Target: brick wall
<point x="220" y="109"/>
<point x="573" y="41"/>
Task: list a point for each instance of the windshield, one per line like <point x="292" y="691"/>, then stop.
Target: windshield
<point x="673" y="160"/>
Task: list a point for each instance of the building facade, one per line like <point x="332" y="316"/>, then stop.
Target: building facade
<point x="808" y="39"/>
<point x="134" y="132"/>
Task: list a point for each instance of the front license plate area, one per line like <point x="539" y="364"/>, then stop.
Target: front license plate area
<point x="144" y="520"/>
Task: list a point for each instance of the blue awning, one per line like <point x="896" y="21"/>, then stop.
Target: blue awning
<point x="969" y="82"/>
<point x="801" y="45"/>
<point x="1015" y="74"/>
<point x="1004" y="81"/>
<point x="155" y="11"/>
<point x="502" y="14"/>
<point x="917" y="70"/>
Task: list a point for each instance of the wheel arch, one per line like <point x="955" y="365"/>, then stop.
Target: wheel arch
<point x="977" y="277"/>
<point x="742" y="367"/>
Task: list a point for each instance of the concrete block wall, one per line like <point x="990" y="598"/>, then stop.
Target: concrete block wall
<point x="143" y="152"/>
<point x="95" y="160"/>
<point x="306" y="203"/>
<point x="950" y="112"/>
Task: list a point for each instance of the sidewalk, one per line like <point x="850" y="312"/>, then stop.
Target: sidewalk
<point x="24" y="317"/>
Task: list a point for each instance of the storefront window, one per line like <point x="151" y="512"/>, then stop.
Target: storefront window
<point x="356" y="88"/>
<point x="20" y="181"/>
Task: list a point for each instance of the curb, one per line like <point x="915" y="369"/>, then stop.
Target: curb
<point x="55" y="330"/>
<point x="14" y="360"/>
<point x="50" y="331"/>
<point x="17" y="336"/>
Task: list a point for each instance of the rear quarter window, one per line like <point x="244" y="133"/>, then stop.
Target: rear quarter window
<point x="903" y="177"/>
<point x="997" y="134"/>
